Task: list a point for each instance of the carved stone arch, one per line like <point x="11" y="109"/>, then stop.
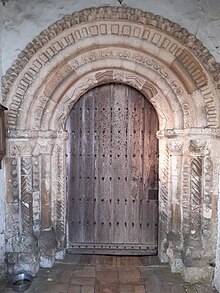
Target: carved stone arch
<point x="171" y="68"/>
<point x="181" y="51"/>
<point x="53" y="114"/>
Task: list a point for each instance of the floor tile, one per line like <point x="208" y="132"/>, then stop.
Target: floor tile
<point x="74" y="289"/>
<point x="84" y="273"/>
<point x="126" y="288"/>
<point x="109" y="274"/>
<point x="107" y="288"/>
<point x="128" y="276"/>
<point x="88" y="289"/>
<point x="82" y="281"/>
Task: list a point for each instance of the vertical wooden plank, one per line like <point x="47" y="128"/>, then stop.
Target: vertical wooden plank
<point x="126" y="171"/>
<point x="88" y="165"/>
<point x="132" y="195"/>
<point x="150" y="172"/>
<point x="118" y="155"/>
<point x="74" y="190"/>
<point x="80" y="193"/>
<point x="153" y="149"/>
<point x="72" y="160"/>
<point x="145" y="213"/>
<point x="135" y="161"/>
<point x="104" y="178"/>
<point x="96" y="169"/>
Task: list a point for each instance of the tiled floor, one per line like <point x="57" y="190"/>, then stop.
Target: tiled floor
<point x="109" y="274"/>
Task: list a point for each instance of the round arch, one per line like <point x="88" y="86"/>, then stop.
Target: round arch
<point x="164" y="62"/>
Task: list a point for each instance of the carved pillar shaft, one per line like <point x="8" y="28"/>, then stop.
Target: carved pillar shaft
<point x="175" y="242"/>
<point x="59" y="192"/>
<point x="193" y="202"/>
<point x="175" y="150"/>
<point x="164" y="217"/>
<point x="175" y="184"/>
<point x="26" y="196"/>
<point x="36" y="195"/>
<point x="26" y="254"/>
<point x="46" y="240"/>
<point x="196" y="198"/>
<point x="46" y="223"/>
<point x="186" y="195"/>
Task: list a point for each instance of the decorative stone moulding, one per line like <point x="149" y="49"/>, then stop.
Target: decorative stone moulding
<point x="174" y="72"/>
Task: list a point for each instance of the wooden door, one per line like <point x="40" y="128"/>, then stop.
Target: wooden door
<point x="112" y="183"/>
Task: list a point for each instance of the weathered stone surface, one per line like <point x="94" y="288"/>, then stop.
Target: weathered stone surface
<point x="172" y="69"/>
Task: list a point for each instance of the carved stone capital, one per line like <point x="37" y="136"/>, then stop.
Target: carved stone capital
<point x="175" y="147"/>
<point x="197" y="147"/>
<point x="44" y="147"/>
<point x="20" y="147"/>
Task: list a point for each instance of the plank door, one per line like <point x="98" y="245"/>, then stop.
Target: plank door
<point x="112" y="166"/>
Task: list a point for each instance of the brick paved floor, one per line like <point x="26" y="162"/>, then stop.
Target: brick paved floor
<point x="109" y="274"/>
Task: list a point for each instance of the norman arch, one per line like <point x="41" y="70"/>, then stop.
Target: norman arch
<point x="174" y="72"/>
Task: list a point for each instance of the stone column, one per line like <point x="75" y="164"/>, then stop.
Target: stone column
<point x="175" y="241"/>
<point x="23" y="254"/>
<point x="164" y="215"/>
<point x="193" y="233"/>
<point x="59" y="192"/>
<point x="46" y="239"/>
<point x="170" y="239"/>
<point x="198" y="216"/>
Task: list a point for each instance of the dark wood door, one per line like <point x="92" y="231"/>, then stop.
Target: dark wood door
<point x="112" y="183"/>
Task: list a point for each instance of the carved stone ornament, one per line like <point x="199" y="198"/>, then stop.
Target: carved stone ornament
<point x="111" y="45"/>
<point x="44" y="147"/>
<point x="192" y="63"/>
<point x="113" y="13"/>
<point x="21" y="148"/>
<point x="197" y="146"/>
<point x="175" y="147"/>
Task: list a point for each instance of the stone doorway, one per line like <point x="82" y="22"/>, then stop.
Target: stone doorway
<point x="178" y="76"/>
<point x="112" y="185"/>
